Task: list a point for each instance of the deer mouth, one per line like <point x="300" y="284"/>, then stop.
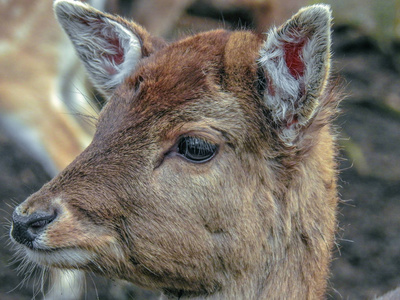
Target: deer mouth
<point x="31" y="233"/>
<point x="55" y="238"/>
<point x="70" y="257"/>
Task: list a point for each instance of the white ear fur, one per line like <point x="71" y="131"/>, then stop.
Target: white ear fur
<point x="296" y="61"/>
<point x="109" y="50"/>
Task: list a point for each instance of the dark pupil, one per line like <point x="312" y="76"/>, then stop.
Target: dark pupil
<point x="196" y="149"/>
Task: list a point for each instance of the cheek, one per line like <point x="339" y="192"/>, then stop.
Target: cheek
<point x="169" y="236"/>
<point x="173" y="220"/>
<point x="195" y="217"/>
<point x="208" y="194"/>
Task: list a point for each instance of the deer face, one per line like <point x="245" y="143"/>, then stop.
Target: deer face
<point x="177" y="186"/>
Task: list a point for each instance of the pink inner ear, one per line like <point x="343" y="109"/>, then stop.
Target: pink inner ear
<point x="117" y="58"/>
<point x="112" y="43"/>
<point x="293" y="58"/>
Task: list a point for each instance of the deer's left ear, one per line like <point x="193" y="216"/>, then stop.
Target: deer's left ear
<point x="296" y="61"/>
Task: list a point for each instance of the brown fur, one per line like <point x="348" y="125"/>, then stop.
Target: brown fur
<point x="255" y="222"/>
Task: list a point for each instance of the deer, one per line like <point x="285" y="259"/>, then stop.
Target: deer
<point x="212" y="171"/>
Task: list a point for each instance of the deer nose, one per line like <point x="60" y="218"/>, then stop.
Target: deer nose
<point x="26" y="228"/>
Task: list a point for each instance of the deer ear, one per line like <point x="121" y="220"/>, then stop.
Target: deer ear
<point x="109" y="47"/>
<point x="296" y="60"/>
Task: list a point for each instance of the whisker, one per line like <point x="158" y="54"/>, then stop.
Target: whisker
<point x="93" y="95"/>
<point x="94" y="285"/>
<point x="89" y="102"/>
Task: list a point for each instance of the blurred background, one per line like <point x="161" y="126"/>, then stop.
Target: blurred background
<point x="47" y="108"/>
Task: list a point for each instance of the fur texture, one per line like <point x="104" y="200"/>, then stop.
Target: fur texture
<point x="256" y="220"/>
<point x="296" y="58"/>
<point x="110" y="50"/>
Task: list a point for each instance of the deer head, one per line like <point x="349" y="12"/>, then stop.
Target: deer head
<point x="211" y="172"/>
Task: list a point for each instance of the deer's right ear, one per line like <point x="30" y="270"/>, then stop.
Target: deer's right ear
<point x="109" y="47"/>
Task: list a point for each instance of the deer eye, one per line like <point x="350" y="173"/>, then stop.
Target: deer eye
<point x="196" y="149"/>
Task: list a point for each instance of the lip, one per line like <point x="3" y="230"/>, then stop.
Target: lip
<point x="42" y="249"/>
<point x="60" y="257"/>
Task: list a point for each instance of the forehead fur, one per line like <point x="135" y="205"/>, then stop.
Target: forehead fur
<point x="191" y="79"/>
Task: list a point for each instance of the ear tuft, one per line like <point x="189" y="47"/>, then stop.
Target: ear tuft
<point x="108" y="47"/>
<point x="296" y="61"/>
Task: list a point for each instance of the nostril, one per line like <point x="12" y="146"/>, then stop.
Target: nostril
<point x="40" y="221"/>
<point x="39" y="224"/>
<point x="27" y="227"/>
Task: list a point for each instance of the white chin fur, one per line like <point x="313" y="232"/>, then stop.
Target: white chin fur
<point x="64" y="257"/>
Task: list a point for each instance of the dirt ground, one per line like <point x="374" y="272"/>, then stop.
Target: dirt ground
<point x="367" y="260"/>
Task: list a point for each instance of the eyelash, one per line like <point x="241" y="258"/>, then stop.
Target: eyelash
<point x="195" y="149"/>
